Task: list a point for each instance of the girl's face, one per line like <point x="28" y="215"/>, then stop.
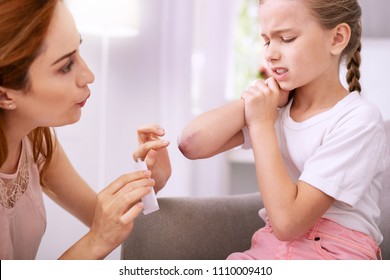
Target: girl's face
<point x="58" y="77"/>
<point x="296" y="47"/>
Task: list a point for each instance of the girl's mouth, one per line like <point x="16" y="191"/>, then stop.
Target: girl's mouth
<point x="279" y="73"/>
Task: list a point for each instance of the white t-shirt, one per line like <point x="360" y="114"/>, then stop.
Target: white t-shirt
<point x="343" y="153"/>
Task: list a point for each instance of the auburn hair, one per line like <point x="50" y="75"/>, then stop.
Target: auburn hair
<point x="23" y="28"/>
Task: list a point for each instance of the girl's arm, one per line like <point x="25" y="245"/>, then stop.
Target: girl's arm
<point x="292" y="208"/>
<point x="213" y="132"/>
<point x="109" y="214"/>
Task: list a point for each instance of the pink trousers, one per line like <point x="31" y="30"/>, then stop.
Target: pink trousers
<point x="326" y="240"/>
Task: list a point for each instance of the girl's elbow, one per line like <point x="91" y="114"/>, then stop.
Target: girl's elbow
<point x="285" y="231"/>
<point x="185" y="145"/>
<point x="283" y="236"/>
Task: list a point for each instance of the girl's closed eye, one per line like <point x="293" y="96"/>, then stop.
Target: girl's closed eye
<point x="68" y="67"/>
<point x="265" y="39"/>
<point x="283" y="39"/>
<point x="288" y="40"/>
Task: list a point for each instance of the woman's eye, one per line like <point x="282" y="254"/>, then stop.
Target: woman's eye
<point x="68" y="67"/>
<point x="266" y="43"/>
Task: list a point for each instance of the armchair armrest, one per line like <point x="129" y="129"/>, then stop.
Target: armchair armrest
<point x="195" y="228"/>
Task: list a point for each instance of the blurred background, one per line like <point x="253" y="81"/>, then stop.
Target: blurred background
<point x="164" y="62"/>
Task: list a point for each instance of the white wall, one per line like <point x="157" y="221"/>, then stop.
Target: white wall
<point x="149" y="79"/>
<point x="374" y="73"/>
<point x="375" y="18"/>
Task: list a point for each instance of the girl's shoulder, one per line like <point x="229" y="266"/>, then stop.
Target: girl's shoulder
<point x="357" y="108"/>
<point x="353" y="110"/>
<point x="366" y="106"/>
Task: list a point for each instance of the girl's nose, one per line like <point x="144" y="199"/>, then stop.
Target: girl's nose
<point x="272" y="53"/>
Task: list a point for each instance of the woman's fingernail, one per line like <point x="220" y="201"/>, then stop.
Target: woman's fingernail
<point x="140" y="205"/>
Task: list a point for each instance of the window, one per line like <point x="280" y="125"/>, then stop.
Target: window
<point x="248" y="46"/>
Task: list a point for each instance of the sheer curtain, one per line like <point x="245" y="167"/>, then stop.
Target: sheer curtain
<point x="196" y="49"/>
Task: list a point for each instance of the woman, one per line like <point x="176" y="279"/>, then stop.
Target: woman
<point x="44" y="83"/>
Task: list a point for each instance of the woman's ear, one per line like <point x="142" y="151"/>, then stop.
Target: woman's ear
<point x="340" y="38"/>
<point x="6" y="101"/>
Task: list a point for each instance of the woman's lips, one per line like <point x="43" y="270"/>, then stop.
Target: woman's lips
<point x="81" y="104"/>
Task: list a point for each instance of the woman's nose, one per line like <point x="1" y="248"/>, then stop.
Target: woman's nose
<point x="86" y="76"/>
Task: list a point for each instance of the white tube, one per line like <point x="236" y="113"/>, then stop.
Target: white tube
<point x="150" y="200"/>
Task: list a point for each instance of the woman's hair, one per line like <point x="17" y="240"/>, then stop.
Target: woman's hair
<point x="23" y="28"/>
<point x="331" y="13"/>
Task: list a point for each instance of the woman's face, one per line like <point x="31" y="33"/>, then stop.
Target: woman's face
<point x="58" y="77"/>
<point x="296" y="47"/>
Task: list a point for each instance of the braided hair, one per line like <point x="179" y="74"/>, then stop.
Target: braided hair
<point x="331" y="13"/>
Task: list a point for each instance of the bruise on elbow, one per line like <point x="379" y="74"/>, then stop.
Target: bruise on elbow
<point x="187" y="145"/>
<point x="184" y="144"/>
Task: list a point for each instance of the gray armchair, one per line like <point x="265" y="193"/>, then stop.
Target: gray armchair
<point x="212" y="228"/>
<point x="195" y="228"/>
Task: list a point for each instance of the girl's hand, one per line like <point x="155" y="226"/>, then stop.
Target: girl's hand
<point x="262" y="101"/>
<point x="154" y="152"/>
<point x="116" y="208"/>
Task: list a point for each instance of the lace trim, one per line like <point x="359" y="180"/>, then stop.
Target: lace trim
<point x="11" y="191"/>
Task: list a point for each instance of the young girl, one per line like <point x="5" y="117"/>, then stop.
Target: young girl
<point x="320" y="154"/>
<point x="44" y="83"/>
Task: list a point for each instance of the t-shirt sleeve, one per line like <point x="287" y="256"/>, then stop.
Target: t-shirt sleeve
<point x="345" y="164"/>
<point x="247" y="139"/>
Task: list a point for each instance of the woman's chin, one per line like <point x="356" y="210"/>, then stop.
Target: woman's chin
<point x="74" y="119"/>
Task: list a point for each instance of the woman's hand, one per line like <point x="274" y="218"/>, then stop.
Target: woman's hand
<point x="154" y="152"/>
<point x="262" y="101"/>
<point x="116" y="208"/>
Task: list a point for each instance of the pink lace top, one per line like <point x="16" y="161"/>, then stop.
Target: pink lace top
<point x="22" y="211"/>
